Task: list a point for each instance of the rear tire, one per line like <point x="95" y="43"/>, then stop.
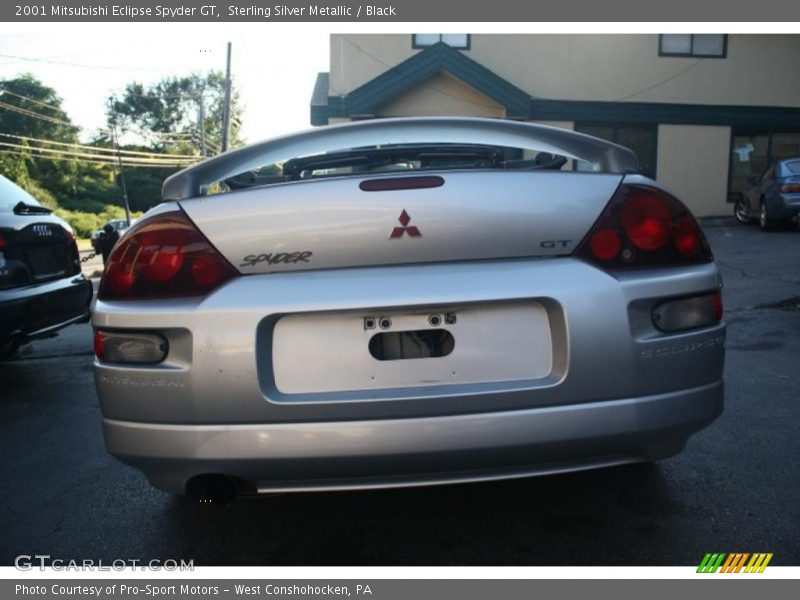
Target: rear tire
<point x="741" y="212"/>
<point x="765" y="220"/>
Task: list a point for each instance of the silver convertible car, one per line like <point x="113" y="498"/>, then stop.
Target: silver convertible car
<point x="406" y="302"/>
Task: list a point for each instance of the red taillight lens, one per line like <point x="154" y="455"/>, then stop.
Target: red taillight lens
<point x="161" y="257"/>
<point x="717" y="299"/>
<point x="687" y="236"/>
<point x="643" y="226"/>
<point x="98" y="345"/>
<point x="791" y="188"/>
<point x="646" y="220"/>
<point x="605" y="244"/>
<point x="161" y="253"/>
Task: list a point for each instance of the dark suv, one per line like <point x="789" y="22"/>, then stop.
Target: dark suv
<point x="42" y="288"/>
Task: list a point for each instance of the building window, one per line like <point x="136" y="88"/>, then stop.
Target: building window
<point x="454" y="40"/>
<point x="642" y="139"/>
<point x="752" y="152"/>
<point x="711" y="45"/>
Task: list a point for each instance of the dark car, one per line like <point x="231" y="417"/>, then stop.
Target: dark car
<point x="119" y="225"/>
<point x="42" y="288"/>
<point x="775" y="198"/>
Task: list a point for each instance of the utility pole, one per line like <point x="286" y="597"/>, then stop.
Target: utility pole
<point x="202" y="125"/>
<point x="115" y="140"/>
<point x="226" y="112"/>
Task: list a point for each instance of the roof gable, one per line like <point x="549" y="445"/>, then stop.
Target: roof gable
<point x="412" y="72"/>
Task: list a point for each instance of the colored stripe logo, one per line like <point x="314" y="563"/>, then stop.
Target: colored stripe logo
<point x="735" y="562"/>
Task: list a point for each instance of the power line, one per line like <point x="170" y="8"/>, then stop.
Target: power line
<point x="89" y="162"/>
<point x="39" y="102"/>
<point x="49" y="119"/>
<point x="47" y="152"/>
<point x="85" y="66"/>
<point x="671" y="77"/>
<point x="35" y="115"/>
<point x="662" y="82"/>
<point x="422" y="84"/>
<point x="98" y="148"/>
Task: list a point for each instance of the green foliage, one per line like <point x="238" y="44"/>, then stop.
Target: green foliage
<point x="53" y="181"/>
<point x="84" y="223"/>
<point x="87" y="194"/>
<point x="170" y="109"/>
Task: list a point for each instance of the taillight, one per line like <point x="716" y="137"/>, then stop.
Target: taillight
<point x="791" y="188"/>
<point x="643" y="226"/>
<point x="161" y="257"/>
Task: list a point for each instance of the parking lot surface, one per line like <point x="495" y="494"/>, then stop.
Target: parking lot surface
<point x="736" y="487"/>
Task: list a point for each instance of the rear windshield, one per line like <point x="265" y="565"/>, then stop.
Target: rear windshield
<point x="396" y="159"/>
<point x="11" y="195"/>
<point x="793" y="166"/>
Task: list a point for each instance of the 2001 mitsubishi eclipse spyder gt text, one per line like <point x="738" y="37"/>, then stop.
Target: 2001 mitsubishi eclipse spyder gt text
<point x="405" y="302"/>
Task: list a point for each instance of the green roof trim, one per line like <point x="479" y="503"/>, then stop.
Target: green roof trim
<point x="364" y="102"/>
<point x="412" y="72"/>
<point x="772" y="117"/>
<point x="319" y="100"/>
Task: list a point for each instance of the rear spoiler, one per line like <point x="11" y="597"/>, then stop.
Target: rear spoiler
<point x="607" y="157"/>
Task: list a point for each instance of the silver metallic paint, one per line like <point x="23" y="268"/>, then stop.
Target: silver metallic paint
<point x="421" y="451"/>
<point x="619" y="390"/>
<point x="474" y="215"/>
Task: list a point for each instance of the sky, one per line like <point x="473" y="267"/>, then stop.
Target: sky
<point x="274" y="68"/>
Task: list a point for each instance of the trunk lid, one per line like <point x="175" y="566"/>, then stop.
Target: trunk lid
<point x="331" y="223"/>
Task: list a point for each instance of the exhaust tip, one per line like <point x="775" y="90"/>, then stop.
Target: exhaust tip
<point x="212" y="489"/>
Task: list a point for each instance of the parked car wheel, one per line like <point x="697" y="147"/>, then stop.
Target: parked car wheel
<point x="741" y="212"/>
<point x="767" y="223"/>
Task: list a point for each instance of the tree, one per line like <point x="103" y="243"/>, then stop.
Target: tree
<point x="30" y="95"/>
<point x="167" y="113"/>
<point x="32" y="116"/>
<point x="30" y="109"/>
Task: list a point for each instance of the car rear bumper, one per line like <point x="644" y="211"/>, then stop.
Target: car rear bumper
<point x="40" y="310"/>
<point x="417" y="451"/>
<point x="786" y="206"/>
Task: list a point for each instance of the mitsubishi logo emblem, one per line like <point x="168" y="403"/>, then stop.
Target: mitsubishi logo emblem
<point x="411" y="230"/>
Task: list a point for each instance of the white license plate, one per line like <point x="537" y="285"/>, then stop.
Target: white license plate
<point x="330" y="352"/>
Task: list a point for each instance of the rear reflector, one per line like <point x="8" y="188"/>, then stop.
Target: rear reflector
<point x="688" y="313"/>
<point x="130" y="347"/>
<point x="161" y="257"/>
<point x="605" y="244"/>
<point x="643" y="226"/>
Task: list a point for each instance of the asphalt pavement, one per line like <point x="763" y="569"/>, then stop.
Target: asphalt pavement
<point x="736" y="487"/>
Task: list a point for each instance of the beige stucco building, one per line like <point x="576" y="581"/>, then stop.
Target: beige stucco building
<point x="703" y="112"/>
